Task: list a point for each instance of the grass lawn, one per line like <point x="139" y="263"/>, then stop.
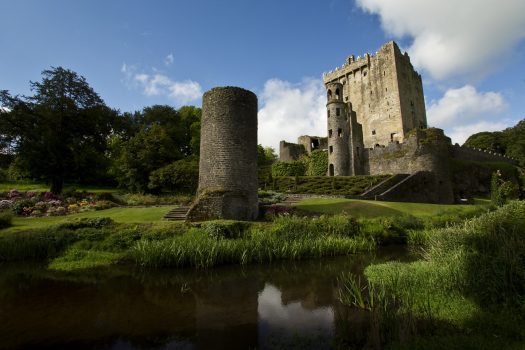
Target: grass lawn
<point x="120" y="215"/>
<point x="370" y="209"/>
<point x="42" y="187"/>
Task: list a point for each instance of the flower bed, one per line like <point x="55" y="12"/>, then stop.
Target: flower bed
<point x="36" y="204"/>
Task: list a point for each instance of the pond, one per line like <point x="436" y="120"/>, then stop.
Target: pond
<point x="278" y="305"/>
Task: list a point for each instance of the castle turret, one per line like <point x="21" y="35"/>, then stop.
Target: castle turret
<point x="338" y="131"/>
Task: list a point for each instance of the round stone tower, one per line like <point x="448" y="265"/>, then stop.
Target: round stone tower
<point x="228" y="156"/>
<point x="338" y="131"/>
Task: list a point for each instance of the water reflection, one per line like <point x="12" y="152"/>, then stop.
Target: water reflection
<point x="280" y="305"/>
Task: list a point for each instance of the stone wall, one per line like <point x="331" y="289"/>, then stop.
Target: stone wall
<point x="479" y="155"/>
<point x="386" y="94"/>
<point x="228" y="156"/>
<point x="290" y="151"/>
<point x="424" y="150"/>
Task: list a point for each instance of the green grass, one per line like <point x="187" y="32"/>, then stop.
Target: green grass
<point x="371" y="209"/>
<point x="466" y="291"/>
<point x="120" y="215"/>
<point x="42" y="187"/>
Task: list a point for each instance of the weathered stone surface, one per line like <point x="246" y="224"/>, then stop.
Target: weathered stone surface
<point x="228" y="156"/>
<point x="386" y="93"/>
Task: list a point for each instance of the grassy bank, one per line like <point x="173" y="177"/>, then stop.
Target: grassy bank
<point x="431" y="214"/>
<point x="466" y="291"/>
<point x="340" y="185"/>
<point x="120" y="215"/>
<point x="91" y="242"/>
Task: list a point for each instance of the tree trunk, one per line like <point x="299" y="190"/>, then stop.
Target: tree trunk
<point x="56" y="185"/>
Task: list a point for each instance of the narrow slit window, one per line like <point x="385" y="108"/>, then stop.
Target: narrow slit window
<point x="330" y="133"/>
<point x="328" y="113"/>
<point x="338" y="112"/>
<point x="331" y="148"/>
<point x="373" y="132"/>
<point x="340" y="132"/>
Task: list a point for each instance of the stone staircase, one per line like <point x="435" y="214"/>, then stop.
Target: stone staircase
<point x="177" y="214"/>
<point x="384" y="186"/>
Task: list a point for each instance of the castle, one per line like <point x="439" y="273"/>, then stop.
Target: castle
<point x="376" y="124"/>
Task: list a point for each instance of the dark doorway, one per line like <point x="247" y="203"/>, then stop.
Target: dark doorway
<point x="331" y="170"/>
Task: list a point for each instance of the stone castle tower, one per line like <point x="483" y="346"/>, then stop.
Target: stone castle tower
<point x="386" y="94"/>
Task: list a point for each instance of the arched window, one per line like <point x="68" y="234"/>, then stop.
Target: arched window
<point x="329" y="94"/>
<point x="337" y="94"/>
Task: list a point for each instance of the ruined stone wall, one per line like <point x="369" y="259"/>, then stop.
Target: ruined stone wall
<point x="312" y="143"/>
<point x="290" y="151"/>
<point x="380" y="88"/>
<point x="424" y="150"/>
<point x="479" y="155"/>
<point x="228" y="156"/>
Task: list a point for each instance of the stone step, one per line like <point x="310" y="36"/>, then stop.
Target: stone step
<point x="177" y="214"/>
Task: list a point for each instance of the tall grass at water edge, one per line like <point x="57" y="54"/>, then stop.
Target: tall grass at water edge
<point x="467" y="290"/>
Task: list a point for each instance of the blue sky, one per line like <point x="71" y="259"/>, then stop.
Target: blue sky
<point x="136" y="53"/>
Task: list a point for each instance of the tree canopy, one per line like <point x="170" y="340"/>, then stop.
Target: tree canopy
<point x="59" y="133"/>
<point x="510" y="142"/>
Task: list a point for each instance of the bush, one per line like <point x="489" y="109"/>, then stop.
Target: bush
<point x="293" y="168"/>
<point x="19" y="206"/>
<point x="316" y="163"/>
<point x="182" y="175"/>
<point x="6" y="218"/>
<point x="6" y="204"/>
<point x="229" y="229"/>
<point x="86" y="223"/>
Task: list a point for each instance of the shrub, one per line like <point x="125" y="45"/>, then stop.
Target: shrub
<point x="293" y="168"/>
<point x="316" y="163"/>
<point x="6" y="218"/>
<point x="5" y="204"/>
<point x="270" y="197"/>
<point x="229" y="229"/>
<point x="182" y="175"/>
<point x="86" y="222"/>
<point x="19" y="206"/>
<point x="13" y="194"/>
<point x="274" y="211"/>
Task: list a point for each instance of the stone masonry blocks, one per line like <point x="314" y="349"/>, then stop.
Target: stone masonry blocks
<point x="228" y="156"/>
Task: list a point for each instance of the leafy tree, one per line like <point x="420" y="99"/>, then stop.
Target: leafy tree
<point x="180" y="176"/>
<point x="60" y="132"/>
<point x="510" y="141"/>
<point x="165" y="135"/>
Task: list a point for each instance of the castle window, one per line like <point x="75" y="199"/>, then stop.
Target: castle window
<point x="384" y="73"/>
<point x="373" y="132"/>
<point x="331" y="170"/>
<point x="357" y="149"/>
<point x="330" y="133"/>
<point x="331" y="148"/>
<point x="337" y="94"/>
<point x="338" y="112"/>
<point x="340" y="132"/>
<point x="346" y="98"/>
<point x="328" y="113"/>
<point x="371" y="92"/>
<point x="412" y="103"/>
<point x="329" y="94"/>
<point x="386" y="89"/>
<point x="365" y="73"/>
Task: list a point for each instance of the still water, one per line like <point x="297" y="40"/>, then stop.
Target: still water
<point x="281" y="305"/>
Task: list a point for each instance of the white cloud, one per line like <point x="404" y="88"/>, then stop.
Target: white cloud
<point x="157" y="84"/>
<point x="459" y="134"/>
<point x="465" y="111"/>
<point x="463" y="105"/>
<point x="453" y="38"/>
<point x="291" y="110"/>
<point x="168" y="61"/>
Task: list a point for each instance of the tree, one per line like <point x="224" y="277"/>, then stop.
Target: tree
<point x="165" y="135"/>
<point x="510" y="142"/>
<point x="60" y="133"/>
